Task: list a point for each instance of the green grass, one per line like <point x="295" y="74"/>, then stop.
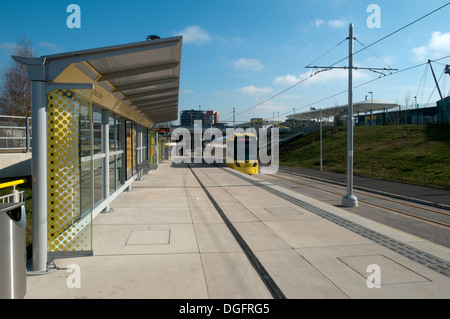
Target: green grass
<point x="417" y="154"/>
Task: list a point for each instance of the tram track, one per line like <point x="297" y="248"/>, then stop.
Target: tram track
<point x="371" y="191"/>
<point x="367" y="193"/>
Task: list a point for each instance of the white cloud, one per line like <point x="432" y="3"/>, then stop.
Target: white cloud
<point x="194" y="34"/>
<point x="187" y="91"/>
<point x="339" y="23"/>
<point x="249" y="64"/>
<point x="273" y="106"/>
<point x="253" y="90"/>
<point x="320" y="78"/>
<point x="286" y="80"/>
<point x="319" y="22"/>
<point x="8" y="46"/>
<point x="53" y="47"/>
<point x="438" y="46"/>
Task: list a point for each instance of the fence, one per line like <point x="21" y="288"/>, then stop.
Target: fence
<point x="15" y="133"/>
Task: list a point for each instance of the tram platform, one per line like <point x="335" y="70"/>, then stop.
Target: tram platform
<point x="165" y="239"/>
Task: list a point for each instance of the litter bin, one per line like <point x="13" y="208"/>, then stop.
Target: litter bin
<point x="13" y="270"/>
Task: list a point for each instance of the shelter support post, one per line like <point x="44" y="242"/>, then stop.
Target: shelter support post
<point x="39" y="173"/>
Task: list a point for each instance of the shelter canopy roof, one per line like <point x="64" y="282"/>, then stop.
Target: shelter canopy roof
<point x="360" y="107"/>
<point x="139" y="80"/>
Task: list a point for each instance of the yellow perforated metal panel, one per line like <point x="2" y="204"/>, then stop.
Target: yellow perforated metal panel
<point x="69" y="170"/>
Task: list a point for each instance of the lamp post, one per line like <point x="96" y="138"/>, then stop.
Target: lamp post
<point x="320" y="121"/>
<point x="417" y="110"/>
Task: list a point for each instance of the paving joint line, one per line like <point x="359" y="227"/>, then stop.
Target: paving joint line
<point x="434" y="263"/>
<point x="268" y="281"/>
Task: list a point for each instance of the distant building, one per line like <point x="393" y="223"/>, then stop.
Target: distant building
<point x="212" y="117"/>
<point x="187" y="117"/>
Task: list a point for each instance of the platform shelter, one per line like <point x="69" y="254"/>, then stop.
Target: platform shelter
<point x="93" y="119"/>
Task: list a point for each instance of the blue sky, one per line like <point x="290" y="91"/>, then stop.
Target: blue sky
<point x="240" y="53"/>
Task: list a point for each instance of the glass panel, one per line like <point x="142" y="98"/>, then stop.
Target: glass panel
<point x="112" y="174"/>
<point x="112" y="134"/>
<point x="119" y="169"/>
<point x="98" y="132"/>
<point x="152" y="150"/>
<point x="119" y="133"/>
<point x="129" y="150"/>
<point x="134" y="152"/>
<point x="69" y="170"/>
<point x="98" y="180"/>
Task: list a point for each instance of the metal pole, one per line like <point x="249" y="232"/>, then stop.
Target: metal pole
<point x="350" y="200"/>
<point x="435" y="81"/>
<point x="39" y="175"/>
<point x="417" y="110"/>
<point x="105" y="142"/>
<point x="27" y="134"/>
<point x="321" y="161"/>
<point x="234" y="117"/>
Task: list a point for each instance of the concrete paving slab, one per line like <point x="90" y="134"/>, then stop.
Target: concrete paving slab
<point x="145" y="215"/>
<point x="296" y="277"/>
<point x="124" y="277"/>
<point x="260" y="237"/>
<point x="115" y="239"/>
<point x="205" y="214"/>
<point x="231" y="276"/>
<point x="165" y="239"/>
<point x="265" y="214"/>
<point x="393" y="272"/>
<point x="416" y="281"/>
<point x="239" y="214"/>
<point x="215" y="238"/>
<point x="149" y="237"/>
<point x="314" y="233"/>
<point x="139" y="197"/>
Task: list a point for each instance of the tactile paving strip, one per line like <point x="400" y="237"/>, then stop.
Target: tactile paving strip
<point x="428" y="260"/>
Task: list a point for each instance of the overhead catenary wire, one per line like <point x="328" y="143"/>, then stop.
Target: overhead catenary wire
<point x="364" y="48"/>
<point x="359" y="85"/>
<point x="327" y="52"/>
<point x="374" y="54"/>
<point x="368" y="82"/>
<point x="394" y="32"/>
<point x="294" y="85"/>
<point x="274" y="96"/>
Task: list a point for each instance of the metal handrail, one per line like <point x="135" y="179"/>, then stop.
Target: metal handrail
<point x="5" y="199"/>
<point x="13" y="183"/>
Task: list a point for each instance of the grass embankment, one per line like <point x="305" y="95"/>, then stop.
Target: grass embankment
<point x="417" y="154"/>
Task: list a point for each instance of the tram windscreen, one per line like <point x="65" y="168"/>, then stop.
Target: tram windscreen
<point x="245" y="148"/>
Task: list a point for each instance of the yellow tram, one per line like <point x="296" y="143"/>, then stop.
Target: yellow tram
<point x="239" y="151"/>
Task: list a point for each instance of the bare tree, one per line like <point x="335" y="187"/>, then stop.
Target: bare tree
<point x="15" y="87"/>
